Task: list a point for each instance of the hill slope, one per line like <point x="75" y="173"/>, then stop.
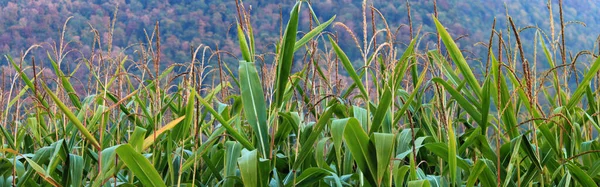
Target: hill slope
<point x="185" y="22"/>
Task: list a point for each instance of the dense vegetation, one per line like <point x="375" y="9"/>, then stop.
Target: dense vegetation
<point x="408" y="110"/>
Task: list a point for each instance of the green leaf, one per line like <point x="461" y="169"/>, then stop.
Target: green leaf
<point x="60" y="155"/>
<point x="233" y="132"/>
<point x="320" y="152"/>
<point x="411" y="97"/>
<point x="399" y="173"/>
<point x="337" y="134"/>
<point x="555" y="79"/>
<point x="246" y="54"/>
<point x="580" y="90"/>
<point x="76" y="167"/>
<point x="307" y="146"/>
<point x="202" y="150"/>
<point x="419" y="183"/>
<point x="385" y="101"/>
<point x="232" y="153"/>
<point x="311" y="175"/>
<point x="348" y="66"/>
<point x="508" y="117"/>
<point x="27" y="81"/>
<point x="403" y="64"/>
<point x="88" y="136"/>
<point x="457" y="56"/>
<point x="286" y="55"/>
<point x="66" y="83"/>
<point x="462" y="101"/>
<point x="254" y="104"/>
<point x="310" y="35"/>
<point x="384" y="147"/>
<point x="132" y="118"/>
<point x="139" y="165"/>
<point x="137" y="138"/>
<point x="5" y="166"/>
<point x="581" y="176"/>
<point x="451" y="152"/>
<point x="441" y="150"/>
<point x="475" y="172"/>
<point x="182" y="130"/>
<point x="40" y="171"/>
<point x="361" y="115"/>
<point x="484" y="108"/>
<point x="109" y="156"/>
<point x="248" y="165"/>
<point x="362" y="149"/>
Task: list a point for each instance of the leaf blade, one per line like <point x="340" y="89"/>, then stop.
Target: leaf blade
<point x="139" y="165"/>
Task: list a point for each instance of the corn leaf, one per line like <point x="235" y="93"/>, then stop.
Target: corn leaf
<point x="457" y="56"/>
<point x="254" y="104"/>
<point x="310" y="35"/>
<point x="139" y="165"/>
<point x="286" y="55"/>
<point x="73" y="118"/>
<point x="348" y="66"/>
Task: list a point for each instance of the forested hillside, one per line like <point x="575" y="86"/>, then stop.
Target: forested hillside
<point x="186" y="23"/>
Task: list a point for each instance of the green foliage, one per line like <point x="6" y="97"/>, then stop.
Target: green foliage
<point x="441" y="124"/>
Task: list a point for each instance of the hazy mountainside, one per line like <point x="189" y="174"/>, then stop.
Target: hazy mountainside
<point x="186" y="23"/>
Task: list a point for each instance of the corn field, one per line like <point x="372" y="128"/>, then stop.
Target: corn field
<point x="405" y="114"/>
